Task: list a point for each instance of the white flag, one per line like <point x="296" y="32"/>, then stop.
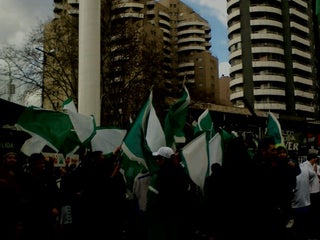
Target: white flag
<point x="196" y="159"/>
<point x="215" y="150"/>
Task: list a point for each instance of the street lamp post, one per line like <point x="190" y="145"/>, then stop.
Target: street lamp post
<point x="45" y="53"/>
<point x="43" y="65"/>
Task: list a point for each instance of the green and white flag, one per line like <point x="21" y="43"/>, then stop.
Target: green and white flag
<point x="52" y="127"/>
<point x="140" y="141"/>
<point x="35" y="144"/>
<point x="175" y="120"/>
<point x="84" y="126"/>
<point x="199" y="154"/>
<point x="204" y="124"/>
<point x="134" y="140"/>
<point x="107" y="139"/>
<point x="215" y="150"/>
<point x="195" y="157"/>
<point x="274" y="129"/>
<point x="155" y="135"/>
<point x="69" y="105"/>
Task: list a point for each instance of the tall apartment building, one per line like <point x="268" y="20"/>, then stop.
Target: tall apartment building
<point x="183" y="35"/>
<point x="70" y="7"/>
<point x="272" y="56"/>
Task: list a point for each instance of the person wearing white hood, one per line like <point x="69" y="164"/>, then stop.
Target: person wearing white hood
<point x="301" y="204"/>
<point x="312" y="165"/>
<point x="167" y="198"/>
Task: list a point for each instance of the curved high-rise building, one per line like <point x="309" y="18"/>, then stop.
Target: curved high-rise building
<point x="272" y="56"/>
<point x="183" y="35"/>
<point x="185" y="40"/>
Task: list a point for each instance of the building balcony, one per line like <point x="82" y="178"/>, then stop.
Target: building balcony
<point x="304" y="94"/>
<point x="269" y="92"/>
<point x="299" y="27"/>
<point x="191" y="39"/>
<point x="184" y="24"/>
<point x="299" y="14"/>
<point x="270" y="106"/>
<point x="304" y="108"/>
<point x="128" y="15"/>
<point x="303" y="80"/>
<point x="268" y="64"/>
<point x="191" y="48"/>
<point x="266" y="22"/>
<point x="186" y="64"/>
<point x="191" y="32"/>
<point x="232" y="2"/>
<point x="302" y="66"/>
<point x="138" y="6"/>
<point x="265" y="9"/>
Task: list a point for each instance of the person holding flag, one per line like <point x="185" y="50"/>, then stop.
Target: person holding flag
<point x="167" y="198"/>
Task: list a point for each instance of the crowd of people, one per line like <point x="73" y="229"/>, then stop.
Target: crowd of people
<point x="267" y="195"/>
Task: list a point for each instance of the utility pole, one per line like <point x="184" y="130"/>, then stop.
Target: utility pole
<point x="89" y="59"/>
<point x="51" y="53"/>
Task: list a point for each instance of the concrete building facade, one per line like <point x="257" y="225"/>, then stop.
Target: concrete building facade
<point x="272" y="56"/>
<point x="183" y="35"/>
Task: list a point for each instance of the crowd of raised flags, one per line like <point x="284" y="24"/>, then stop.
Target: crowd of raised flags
<point x="66" y="131"/>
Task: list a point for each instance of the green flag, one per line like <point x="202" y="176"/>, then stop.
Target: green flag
<point x="175" y="120"/>
<point x="142" y="138"/>
<point x="274" y="129"/>
<point x="52" y="128"/>
<point x="204" y="124"/>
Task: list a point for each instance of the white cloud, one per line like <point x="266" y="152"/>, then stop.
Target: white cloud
<point x="215" y="12"/>
<point x="214" y="8"/>
<point x="17" y="18"/>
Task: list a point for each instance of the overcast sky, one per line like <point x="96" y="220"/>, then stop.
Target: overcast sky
<point x="19" y="17"/>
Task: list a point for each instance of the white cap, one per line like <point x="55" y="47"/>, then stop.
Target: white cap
<point x="164" y="152"/>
